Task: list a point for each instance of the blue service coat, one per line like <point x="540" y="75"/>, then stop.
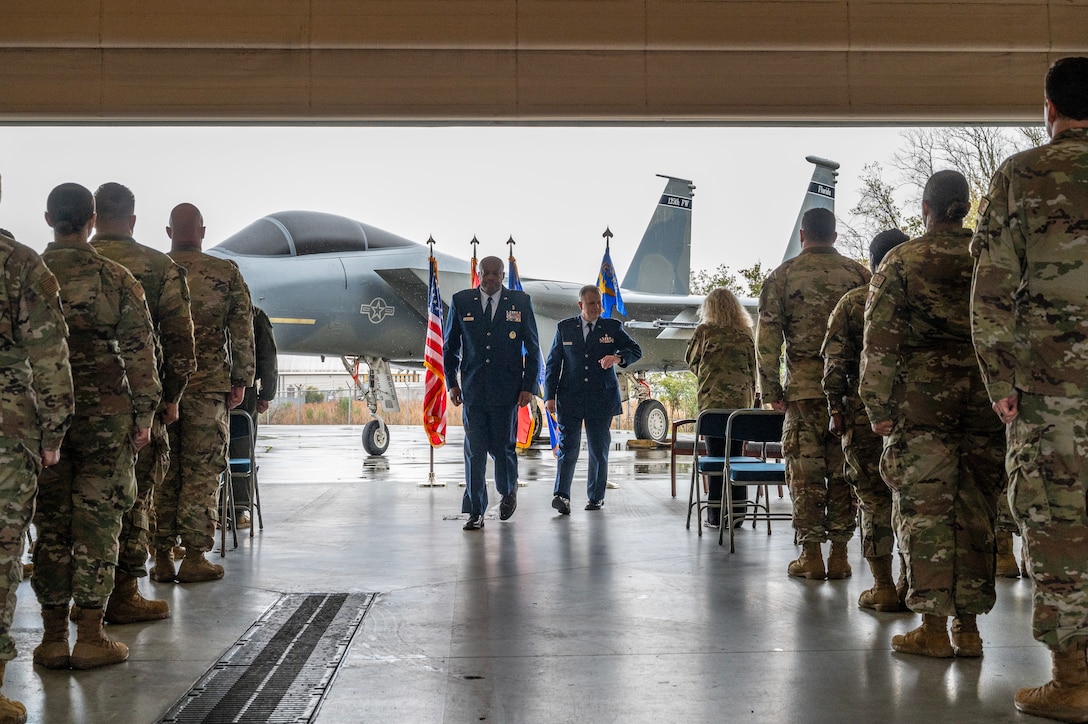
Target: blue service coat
<point x="573" y="376"/>
<point x="485" y="359"/>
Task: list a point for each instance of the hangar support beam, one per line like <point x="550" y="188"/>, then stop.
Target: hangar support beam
<point x="520" y="61"/>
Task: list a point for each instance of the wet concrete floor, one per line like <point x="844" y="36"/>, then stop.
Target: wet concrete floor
<point x="620" y="615"/>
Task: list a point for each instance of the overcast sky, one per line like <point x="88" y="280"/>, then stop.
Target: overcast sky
<point x="554" y="189"/>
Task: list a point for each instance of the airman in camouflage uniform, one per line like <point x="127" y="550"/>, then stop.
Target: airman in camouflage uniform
<point x="81" y="499"/>
<point x="256" y="400"/>
<point x="1030" y="325"/>
<point x="167" y="295"/>
<point x="36" y="406"/>
<point x="222" y="312"/>
<point x="722" y="355"/>
<point x="796" y="300"/>
<point x="944" y="449"/>
<point x="860" y="445"/>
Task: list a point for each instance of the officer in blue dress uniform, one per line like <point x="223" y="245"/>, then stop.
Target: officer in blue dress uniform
<point x="580" y="386"/>
<point x="486" y="330"/>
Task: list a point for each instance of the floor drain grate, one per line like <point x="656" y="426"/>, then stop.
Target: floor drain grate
<point x="282" y="667"/>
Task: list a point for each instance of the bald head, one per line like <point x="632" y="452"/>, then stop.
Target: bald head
<point x="186" y="229"/>
<point x="491" y="274"/>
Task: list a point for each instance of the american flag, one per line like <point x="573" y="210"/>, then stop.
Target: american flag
<point x="434" y="396"/>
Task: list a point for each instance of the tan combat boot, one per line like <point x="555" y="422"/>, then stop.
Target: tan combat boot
<point x="126" y="605"/>
<point x="966" y="641"/>
<point x="163" y="570"/>
<point x="1065" y="698"/>
<point x="52" y="652"/>
<point x="1006" y="561"/>
<point x="11" y="711"/>
<point x="929" y="639"/>
<point x="882" y="596"/>
<point x="838" y="565"/>
<point x="810" y="565"/>
<point x="93" y="648"/>
<point x="196" y="568"/>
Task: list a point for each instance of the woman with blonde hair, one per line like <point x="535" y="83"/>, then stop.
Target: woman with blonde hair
<point x="722" y="356"/>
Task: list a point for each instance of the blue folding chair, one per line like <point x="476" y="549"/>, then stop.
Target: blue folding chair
<point x="244" y="467"/>
<point x="752" y="426"/>
<point x="709" y="423"/>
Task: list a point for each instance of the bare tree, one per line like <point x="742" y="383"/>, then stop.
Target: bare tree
<point x="974" y="151"/>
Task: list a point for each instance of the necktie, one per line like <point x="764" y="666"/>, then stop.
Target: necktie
<point x="488" y="310"/>
<point x="589" y="329"/>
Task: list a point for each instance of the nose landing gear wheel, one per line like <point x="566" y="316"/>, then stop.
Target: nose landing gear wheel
<point x="375" y="438"/>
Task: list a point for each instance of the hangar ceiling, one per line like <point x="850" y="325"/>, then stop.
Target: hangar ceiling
<point x="523" y="61"/>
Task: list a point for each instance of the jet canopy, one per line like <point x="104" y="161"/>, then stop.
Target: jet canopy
<point x="298" y="233"/>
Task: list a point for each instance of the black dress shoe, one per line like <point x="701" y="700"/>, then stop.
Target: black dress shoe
<point x="595" y="505"/>
<point x="508" y="505"/>
<point x="475" y="522"/>
<point x="561" y="504"/>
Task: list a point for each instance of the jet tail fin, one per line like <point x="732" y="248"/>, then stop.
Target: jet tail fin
<point x="662" y="262"/>
<point x="820" y="195"/>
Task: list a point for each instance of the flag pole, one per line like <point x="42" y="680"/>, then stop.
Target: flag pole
<point x="432" y="481"/>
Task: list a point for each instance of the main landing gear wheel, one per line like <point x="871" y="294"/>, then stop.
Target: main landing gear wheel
<point x="651" y="421"/>
<point x="375" y="438"/>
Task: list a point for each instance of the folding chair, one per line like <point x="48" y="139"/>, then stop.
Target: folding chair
<point x="679" y="445"/>
<point x="226" y="512"/>
<point x="709" y="423"/>
<point x="244" y="467"/>
<point x="758" y="426"/>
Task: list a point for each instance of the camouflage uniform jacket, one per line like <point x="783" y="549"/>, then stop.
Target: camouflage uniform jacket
<point x="917" y="320"/>
<point x="222" y="322"/>
<point x="110" y="336"/>
<point x="842" y="353"/>
<point x="264" y="341"/>
<point x="36" y="398"/>
<point x="1030" y="296"/>
<point x="796" y="300"/>
<point x="724" y="361"/>
<point x="167" y="295"/>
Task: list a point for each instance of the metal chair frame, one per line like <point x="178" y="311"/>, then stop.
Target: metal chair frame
<point x="752" y="426"/>
<point x="246" y="467"/>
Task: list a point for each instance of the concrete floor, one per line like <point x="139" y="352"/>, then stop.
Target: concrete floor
<point x="616" y="616"/>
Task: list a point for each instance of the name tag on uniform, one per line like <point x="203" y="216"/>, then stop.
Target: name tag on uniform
<point x="606" y="339"/>
<point x="513" y="316"/>
<point x="567" y="344"/>
<point x="467" y="318"/>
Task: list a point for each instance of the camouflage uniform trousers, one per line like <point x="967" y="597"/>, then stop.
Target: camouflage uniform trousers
<point x="19" y="468"/>
<point x="80" y="503"/>
<point x="136" y="526"/>
<point x="185" y="503"/>
<point x="824" y="507"/>
<point x="1048" y="478"/>
<point x="862" y="448"/>
<point x="947" y="482"/>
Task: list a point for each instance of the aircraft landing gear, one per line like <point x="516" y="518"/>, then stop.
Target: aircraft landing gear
<point x="378" y="390"/>
<point x="375" y="437"/>
<point x="651" y="421"/>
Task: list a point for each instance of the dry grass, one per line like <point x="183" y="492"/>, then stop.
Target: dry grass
<point x="336" y="413"/>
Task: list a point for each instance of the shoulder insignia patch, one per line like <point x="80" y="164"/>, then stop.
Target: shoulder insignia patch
<point x="877" y="281"/>
<point x="49" y="283"/>
<point x="983" y="205"/>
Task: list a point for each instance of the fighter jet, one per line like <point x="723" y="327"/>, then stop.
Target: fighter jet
<point x="339" y="287"/>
